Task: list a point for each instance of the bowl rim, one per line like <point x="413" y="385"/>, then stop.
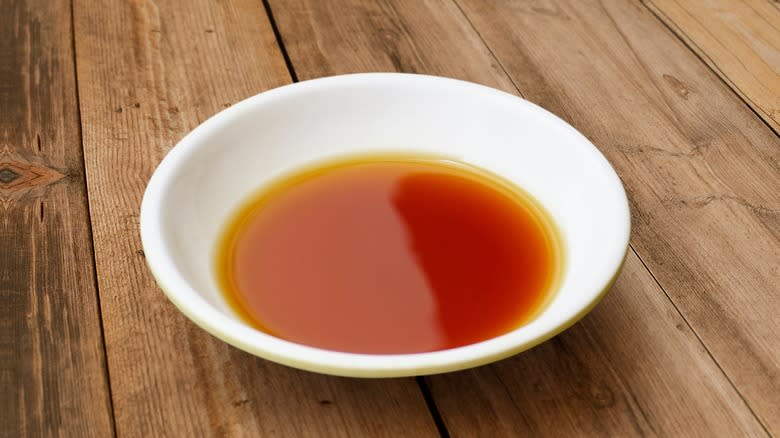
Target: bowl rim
<point x="253" y="341"/>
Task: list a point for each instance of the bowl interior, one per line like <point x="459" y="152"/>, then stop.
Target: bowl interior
<point x="203" y="180"/>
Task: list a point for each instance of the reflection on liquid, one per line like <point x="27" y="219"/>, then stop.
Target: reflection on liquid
<point x="486" y="260"/>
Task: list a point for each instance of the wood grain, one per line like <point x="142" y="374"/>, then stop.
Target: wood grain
<point x="150" y="71"/>
<point x="330" y="38"/>
<point x="52" y="370"/>
<point x="634" y="367"/>
<point x="740" y="40"/>
<point x="701" y="169"/>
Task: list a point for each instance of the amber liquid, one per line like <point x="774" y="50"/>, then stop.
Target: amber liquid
<point x="389" y="255"/>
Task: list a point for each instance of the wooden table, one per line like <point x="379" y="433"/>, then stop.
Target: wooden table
<point x="682" y="96"/>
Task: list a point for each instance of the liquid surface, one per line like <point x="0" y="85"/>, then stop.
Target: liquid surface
<point x="389" y="255"/>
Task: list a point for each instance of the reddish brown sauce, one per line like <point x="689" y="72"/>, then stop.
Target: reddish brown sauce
<point x="389" y="255"/>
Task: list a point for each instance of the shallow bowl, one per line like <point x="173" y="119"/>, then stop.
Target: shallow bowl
<point x="200" y="183"/>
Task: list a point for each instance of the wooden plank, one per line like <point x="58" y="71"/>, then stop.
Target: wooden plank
<point x="739" y="40"/>
<point x="327" y="38"/>
<point x="148" y="73"/>
<point x="700" y="168"/>
<point x="632" y="367"/>
<point x="52" y="369"/>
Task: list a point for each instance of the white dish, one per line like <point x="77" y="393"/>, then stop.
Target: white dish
<point x="206" y="176"/>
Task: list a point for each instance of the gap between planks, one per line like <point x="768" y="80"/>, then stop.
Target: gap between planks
<point x="90" y="235"/>
<point x="701" y="341"/>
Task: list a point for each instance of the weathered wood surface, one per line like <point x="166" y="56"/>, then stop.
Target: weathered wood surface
<point x="739" y="40"/>
<point x="53" y="378"/>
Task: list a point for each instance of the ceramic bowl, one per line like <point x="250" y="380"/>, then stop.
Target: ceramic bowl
<point x="213" y="169"/>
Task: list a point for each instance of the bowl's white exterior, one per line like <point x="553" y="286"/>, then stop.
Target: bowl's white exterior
<point x="203" y="179"/>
